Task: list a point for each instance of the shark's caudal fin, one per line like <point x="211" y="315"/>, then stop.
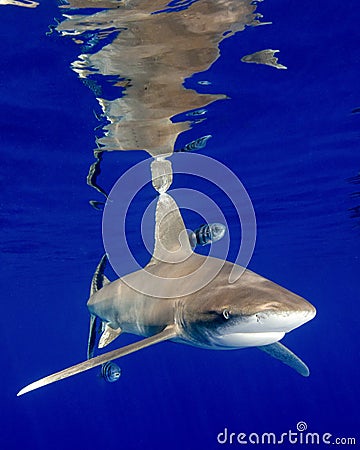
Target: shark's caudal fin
<point x="279" y="351"/>
<point x="99" y="279"/>
<point x="168" y="333"/>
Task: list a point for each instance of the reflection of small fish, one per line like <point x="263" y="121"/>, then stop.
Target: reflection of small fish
<point x="110" y="371"/>
<point x="204" y="83"/>
<point x="195" y="145"/>
<point x="355" y="110"/>
<point x="99" y="206"/>
<point x="207" y="234"/>
<point x="198" y="112"/>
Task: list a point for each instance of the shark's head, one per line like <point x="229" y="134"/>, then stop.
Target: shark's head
<point x="249" y="313"/>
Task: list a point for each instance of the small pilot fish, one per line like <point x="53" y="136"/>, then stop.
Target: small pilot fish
<point x="198" y="112"/>
<point x="207" y="234"/>
<point x="99" y="206"/>
<point x="196" y="145"/>
<point x="110" y="371"/>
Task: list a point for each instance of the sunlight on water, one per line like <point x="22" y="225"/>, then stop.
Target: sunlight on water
<point x="136" y="57"/>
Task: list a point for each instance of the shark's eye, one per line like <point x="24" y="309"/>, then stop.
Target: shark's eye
<point x="226" y="314"/>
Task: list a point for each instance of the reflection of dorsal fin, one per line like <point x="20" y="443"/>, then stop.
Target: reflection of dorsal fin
<point x="171" y="238"/>
<point x="279" y="351"/>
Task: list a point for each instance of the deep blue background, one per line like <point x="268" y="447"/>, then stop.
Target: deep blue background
<point x="292" y="140"/>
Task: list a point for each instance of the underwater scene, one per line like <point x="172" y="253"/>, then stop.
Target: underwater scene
<point x="181" y="224"/>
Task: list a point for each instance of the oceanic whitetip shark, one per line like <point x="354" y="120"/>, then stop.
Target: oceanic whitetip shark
<point x="165" y="301"/>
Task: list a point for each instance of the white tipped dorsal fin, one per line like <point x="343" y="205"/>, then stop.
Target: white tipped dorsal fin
<point x="171" y="238"/>
<point x="109" y="335"/>
<point x="282" y="353"/>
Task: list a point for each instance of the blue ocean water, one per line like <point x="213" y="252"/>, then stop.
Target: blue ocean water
<point x="291" y="138"/>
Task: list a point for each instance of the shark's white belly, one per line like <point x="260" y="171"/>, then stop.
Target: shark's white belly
<point x="243" y="340"/>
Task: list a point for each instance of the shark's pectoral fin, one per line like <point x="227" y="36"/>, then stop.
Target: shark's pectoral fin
<point x="109" y="335"/>
<point x="168" y="333"/>
<point x="279" y="351"/>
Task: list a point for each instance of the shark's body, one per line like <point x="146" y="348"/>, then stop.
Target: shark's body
<point x="260" y="311"/>
<point x="165" y="301"/>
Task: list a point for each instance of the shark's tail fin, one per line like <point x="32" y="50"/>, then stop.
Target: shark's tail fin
<point x="99" y="279"/>
<point x="279" y="351"/>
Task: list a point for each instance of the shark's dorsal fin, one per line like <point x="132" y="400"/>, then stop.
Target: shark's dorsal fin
<point x="171" y="238"/>
<point x="279" y="351"/>
<point x="168" y="333"/>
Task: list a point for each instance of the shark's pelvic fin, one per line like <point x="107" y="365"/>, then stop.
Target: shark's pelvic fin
<point x="168" y="333"/>
<point x="109" y="335"/>
<point x="279" y="351"/>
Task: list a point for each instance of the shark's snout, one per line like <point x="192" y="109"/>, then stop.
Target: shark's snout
<point x="284" y="315"/>
<point x="275" y="320"/>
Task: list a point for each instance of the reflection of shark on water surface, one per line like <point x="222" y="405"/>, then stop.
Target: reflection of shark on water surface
<point x="212" y="314"/>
